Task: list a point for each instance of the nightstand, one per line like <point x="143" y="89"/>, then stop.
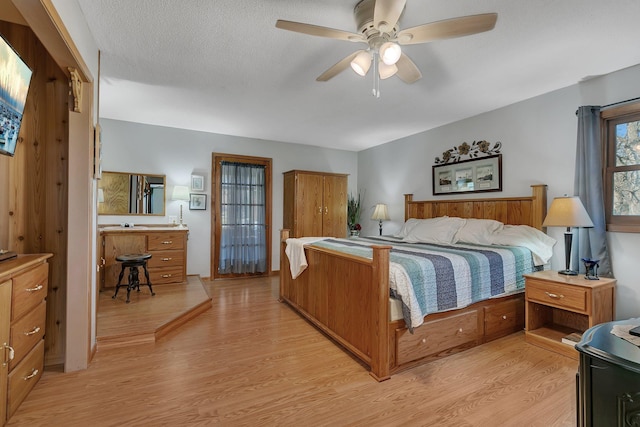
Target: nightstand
<point x="557" y="305"/>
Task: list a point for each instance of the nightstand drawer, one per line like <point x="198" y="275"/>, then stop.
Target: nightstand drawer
<point x="563" y="296"/>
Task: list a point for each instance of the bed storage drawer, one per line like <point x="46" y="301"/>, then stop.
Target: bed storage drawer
<point x="557" y="295"/>
<point x="503" y="318"/>
<point x="436" y="336"/>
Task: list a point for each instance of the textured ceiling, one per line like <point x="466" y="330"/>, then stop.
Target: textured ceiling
<point x="221" y="66"/>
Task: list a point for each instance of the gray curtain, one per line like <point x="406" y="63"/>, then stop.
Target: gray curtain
<point x="590" y="242"/>
<point x="243" y="241"/>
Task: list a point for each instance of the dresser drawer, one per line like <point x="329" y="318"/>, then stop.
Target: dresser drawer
<point x="160" y="259"/>
<point x="165" y="241"/>
<point x="24" y="377"/>
<point x="26" y="332"/>
<point x="159" y="276"/>
<point x="556" y="294"/>
<point x="436" y="336"/>
<point x="29" y="289"/>
<point x="504" y="318"/>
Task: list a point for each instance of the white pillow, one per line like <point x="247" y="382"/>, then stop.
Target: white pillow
<point x="441" y="230"/>
<point x="535" y="240"/>
<point x="407" y="227"/>
<point x="478" y="231"/>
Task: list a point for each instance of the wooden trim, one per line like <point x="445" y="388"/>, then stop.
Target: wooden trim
<point x="216" y="226"/>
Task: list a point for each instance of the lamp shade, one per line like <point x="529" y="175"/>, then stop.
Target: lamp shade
<point x="567" y="212"/>
<point x="390" y="53"/>
<point x="380" y="212"/>
<point x="180" y="192"/>
<point x="387" y="71"/>
<point x="361" y="63"/>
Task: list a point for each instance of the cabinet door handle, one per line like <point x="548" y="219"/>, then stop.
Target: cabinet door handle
<point x="33" y="331"/>
<point x="166" y="276"/>
<point x="320" y="210"/>
<point x="167" y="242"/>
<point x="167" y="259"/>
<point x="36" y="289"/>
<point x="554" y="296"/>
<point x="33" y="374"/>
<point x="326" y="210"/>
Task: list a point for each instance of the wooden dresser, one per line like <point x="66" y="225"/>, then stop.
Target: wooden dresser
<point x="23" y="309"/>
<point x="166" y="244"/>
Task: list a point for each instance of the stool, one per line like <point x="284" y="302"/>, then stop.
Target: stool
<point x="133" y="261"/>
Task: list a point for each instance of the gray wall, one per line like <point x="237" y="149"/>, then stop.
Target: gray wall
<point x="179" y="153"/>
<point x="539" y="144"/>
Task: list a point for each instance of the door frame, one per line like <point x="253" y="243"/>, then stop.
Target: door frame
<point x="216" y="226"/>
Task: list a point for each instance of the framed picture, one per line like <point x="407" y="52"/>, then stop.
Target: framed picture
<point x="197" y="202"/>
<point x="468" y="176"/>
<point x="197" y="183"/>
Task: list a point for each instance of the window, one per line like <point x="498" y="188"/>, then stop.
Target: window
<point x="621" y="135"/>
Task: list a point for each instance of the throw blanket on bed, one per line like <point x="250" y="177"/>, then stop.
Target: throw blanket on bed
<point x="428" y="278"/>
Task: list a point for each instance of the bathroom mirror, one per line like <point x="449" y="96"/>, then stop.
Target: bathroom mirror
<point x="122" y="193"/>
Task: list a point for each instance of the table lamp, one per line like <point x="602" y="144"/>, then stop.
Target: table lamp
<point x="380" y="213"/>
<point x="181" y="193"/>
<point x="567" y="211"/>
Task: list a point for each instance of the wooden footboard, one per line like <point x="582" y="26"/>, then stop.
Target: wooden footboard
<point x="346" y="297"/>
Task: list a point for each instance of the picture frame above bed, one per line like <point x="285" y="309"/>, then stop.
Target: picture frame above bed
<point x="468" y="176"/>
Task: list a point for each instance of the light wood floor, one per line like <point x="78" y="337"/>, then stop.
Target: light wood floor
<point x="251" y="361"/>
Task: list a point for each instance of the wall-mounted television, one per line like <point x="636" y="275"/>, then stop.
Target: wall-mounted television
<point x="15" y="77"/>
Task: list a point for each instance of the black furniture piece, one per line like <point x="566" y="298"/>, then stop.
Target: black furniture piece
<point x="133" y="261"/>
<point x="608" y="378"/>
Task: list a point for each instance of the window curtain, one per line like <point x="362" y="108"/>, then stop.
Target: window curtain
<point x="590" y="242"/>
<point x="242" y="208"/>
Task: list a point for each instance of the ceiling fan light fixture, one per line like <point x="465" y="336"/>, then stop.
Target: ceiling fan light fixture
<point x="390" y="53"/>
<point x="385" y="71"/>
<point x="361" y="63"/>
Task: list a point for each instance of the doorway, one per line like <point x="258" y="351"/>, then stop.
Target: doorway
<point x="241" y="216"/>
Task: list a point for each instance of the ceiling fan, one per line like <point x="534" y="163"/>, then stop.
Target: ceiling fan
<point x="377" y="23"/>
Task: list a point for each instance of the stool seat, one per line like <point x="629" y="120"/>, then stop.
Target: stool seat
<point x="133" y="261"/>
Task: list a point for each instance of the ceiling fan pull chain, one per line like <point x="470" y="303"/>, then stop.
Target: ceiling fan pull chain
<point x="376" y="75"/>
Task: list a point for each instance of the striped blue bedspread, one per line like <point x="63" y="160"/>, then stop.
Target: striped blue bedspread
<point x="429" y="278"/>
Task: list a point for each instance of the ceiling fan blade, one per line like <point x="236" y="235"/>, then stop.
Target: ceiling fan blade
<point x="315" y="30"/>
<point x="386" y="14"/>
<point x="448" y="28"/>
<point x="408" y="72"/>
<point x="337" y="68"/>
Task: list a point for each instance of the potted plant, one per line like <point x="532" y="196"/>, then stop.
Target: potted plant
<point x="354" y="209"/>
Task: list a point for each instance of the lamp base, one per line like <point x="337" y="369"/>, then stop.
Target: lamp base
<point x="568" y="272"/>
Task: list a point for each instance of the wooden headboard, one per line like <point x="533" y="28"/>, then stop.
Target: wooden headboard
<point x="529" y="210"/>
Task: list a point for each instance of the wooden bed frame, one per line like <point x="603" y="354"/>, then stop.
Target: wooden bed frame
<point x="347" y="297"/>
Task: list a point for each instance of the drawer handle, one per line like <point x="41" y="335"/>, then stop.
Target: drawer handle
<point x="167" y="259"/>
<point x="11" y="352"/>
<point x="460" y="330"/>
<point x="33" y="331"/>
<point x="554" y="296"/>
<point x="33" y="374"/>
<point x="504" y="317"/>
<point x="424" y="340"/>
<point x="166" y="275"/>
<point x="167" y="242"/>
<point x="36" y="289"/>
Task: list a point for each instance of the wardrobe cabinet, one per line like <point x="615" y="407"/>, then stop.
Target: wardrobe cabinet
<point x="315" y="204"/>
<point x="166" y="244"/>
<point x="23" y="308"/>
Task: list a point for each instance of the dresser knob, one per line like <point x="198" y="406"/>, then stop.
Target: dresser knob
<point x="504" y="317"/>
<point x="554" y="296"/>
